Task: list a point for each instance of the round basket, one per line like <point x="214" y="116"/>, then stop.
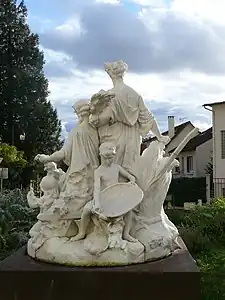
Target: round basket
<point x="120" y="198"/>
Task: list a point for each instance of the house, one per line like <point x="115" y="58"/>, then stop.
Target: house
<point x="195" y="155"/>
<point x="218" y="121"/>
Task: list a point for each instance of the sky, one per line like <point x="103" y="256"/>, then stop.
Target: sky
<point x="175" y="51"/>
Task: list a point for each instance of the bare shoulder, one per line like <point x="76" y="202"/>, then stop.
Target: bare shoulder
<point x="118" y="167"/>
<point x="98" y="172"/>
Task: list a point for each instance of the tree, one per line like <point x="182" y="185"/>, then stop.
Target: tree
<point x="11" y="155"/>
<point x="24" y="88"/>
<point x="15" y="162"/>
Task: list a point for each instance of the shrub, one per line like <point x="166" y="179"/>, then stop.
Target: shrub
<point x="194" y="189"/>
<point x="202" y="226"/>
<point x="16" y="219"/>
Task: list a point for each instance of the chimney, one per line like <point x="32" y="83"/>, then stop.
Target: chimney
<point x="171" y="126"/>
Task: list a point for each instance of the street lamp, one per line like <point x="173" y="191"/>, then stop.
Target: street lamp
<point x="22" y="137"/>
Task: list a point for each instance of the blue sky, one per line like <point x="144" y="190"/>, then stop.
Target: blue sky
<point x="174" y="50"/>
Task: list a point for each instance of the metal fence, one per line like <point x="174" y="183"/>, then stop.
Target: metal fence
<point x="219" y="187"/>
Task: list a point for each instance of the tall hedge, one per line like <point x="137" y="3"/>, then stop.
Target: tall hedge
<point x="187" y="190"/>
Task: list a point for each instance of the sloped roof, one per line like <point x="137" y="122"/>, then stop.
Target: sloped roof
<point x="214" y="103"/>
<point x="198" y="140"/>
<point x="177" y="128"/>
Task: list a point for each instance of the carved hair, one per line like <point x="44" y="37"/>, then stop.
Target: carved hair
<point x="81" y="105"/>
<point x="50" y="165"/>
<point x="107" y="148"/>
<point x="116" y="68"/>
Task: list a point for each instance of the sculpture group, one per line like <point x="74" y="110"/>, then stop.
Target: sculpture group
<point x="107" y="208"/>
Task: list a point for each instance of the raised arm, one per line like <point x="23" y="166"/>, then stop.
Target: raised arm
<point x="55" y="157"/>
<point x="126" y="174"/>
<point x="97" y="190"/>
<point x="148" y="123"/>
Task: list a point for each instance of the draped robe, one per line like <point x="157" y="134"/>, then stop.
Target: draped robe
<point x="129" y="119"/>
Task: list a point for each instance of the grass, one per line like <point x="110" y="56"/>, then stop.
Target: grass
<point x="212" y="267"/>
<point x="204" y="236"/>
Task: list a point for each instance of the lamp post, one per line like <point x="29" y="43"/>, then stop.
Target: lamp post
<point x="22" y="137"/>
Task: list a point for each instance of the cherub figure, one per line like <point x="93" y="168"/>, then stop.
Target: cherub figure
<point x="106" y="175"/>
<point x="49" y="186"/>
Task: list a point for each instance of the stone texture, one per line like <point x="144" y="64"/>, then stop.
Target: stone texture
<point x="107" y="208"/>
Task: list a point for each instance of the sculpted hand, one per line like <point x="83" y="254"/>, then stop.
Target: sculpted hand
<point x="63" y="211"/>
<point x="132" y="179"/>
<point x="42" y="158"/>
<point x="96" y="207"/>
<point x="164" y="139"/>
<point x="93" y="119"/>
<point x="176" y="163"/>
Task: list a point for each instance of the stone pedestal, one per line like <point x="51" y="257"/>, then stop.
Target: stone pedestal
<point x="175" y="277"/>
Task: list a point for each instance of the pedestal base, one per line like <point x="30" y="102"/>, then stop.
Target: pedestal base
<point x="63" y="251"/>
<point x="175" y="277"/>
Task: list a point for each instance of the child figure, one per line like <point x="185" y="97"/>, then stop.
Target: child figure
<point x="106" y="175"/>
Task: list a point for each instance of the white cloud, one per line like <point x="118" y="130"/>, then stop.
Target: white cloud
<point x="211" y="10"/>
<point x="207" y="9"/>
<point x="201" y="125"/>
<point x="153" y="3"/>
<point x="108" y="1"/>
<point x="54" y="56"/>
<point x="185" y="94"/>
<point x="184" y="91"/>
<point x="71" y="27"/>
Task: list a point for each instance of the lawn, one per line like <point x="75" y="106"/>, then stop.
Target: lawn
<point x="212" y="266"/>
<point x="203" y="231"/>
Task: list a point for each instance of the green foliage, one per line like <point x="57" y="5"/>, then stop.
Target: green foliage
<point x="202" y="226"/>
<point x="203" y="231"/>
<point x="11" y="156"/>
<point x="212" y="267"/>
<point x="16" y="219"/>
<point x="24" y="89"/>
<point x="194" y="189"/>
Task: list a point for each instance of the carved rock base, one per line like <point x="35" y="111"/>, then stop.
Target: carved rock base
<point x="63" y="251"/>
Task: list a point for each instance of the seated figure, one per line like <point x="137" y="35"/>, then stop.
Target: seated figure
<point x="106" y="175"/>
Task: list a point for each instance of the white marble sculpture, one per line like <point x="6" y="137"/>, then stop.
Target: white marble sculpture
<point x="107" y="209"/>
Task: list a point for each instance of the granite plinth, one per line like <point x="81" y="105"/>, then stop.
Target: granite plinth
<point x="175" y="277"/>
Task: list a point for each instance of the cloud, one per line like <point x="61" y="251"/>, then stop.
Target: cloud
<point x="157" y="40"/>
<point x="174" y="49"/>
<point x="179" y="95"/>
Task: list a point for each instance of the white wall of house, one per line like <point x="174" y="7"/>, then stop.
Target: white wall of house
<point x="218" y="126"/>
<point x="203" y="154"/>
<point x="185" y="171"/>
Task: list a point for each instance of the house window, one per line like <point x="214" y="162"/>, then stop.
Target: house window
<point x="189" y="164"/>
<point x="223" y="144"/>
<point x="223" y="191"/>
<point x="182" y="164"/>
<point x="177" y="169"/>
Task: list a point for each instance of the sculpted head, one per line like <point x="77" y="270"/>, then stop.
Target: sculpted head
<point x="107" y="152"/>
<point x="101" y="100"/>
<point x="50" y="166"/>
<point x="116" y="69"/>
<point x="82" y="109"/>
